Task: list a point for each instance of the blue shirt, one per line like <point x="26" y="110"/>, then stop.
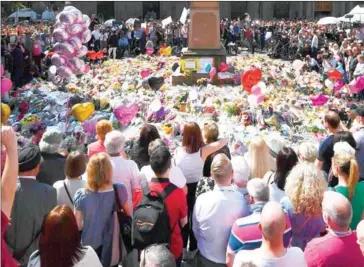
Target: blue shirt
<point x="123" y="41"/>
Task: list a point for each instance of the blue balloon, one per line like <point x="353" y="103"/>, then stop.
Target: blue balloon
<point x="208" y="67"/>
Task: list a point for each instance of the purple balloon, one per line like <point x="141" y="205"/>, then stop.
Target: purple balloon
<point x="64" y="49"/>
<point x="75" y="42"/>
<point x="81" y="52"/>
<point x="66" y="17"/>
<point x="75" y="29"/>
<point x="76" y="65"/>
<point x="58" y="60"/>
<point x="86" y="20"/>
<point x="69" y="8"/>
<point x="64" y="72"/>
<point x="60" y="35"/>
<point x="57" y="80"/>
<point x="85" y="36"/>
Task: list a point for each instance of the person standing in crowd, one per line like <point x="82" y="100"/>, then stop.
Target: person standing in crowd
<point x="60" y="242"/>
<point x="53" y="163"/>
<point x="18" y="66"/>
<point x="176" y="176"/>
<point x="326" y="150"/>
<point x="37" y="52"/>
<point x="353" y="62"/>
<point x="33" y="200"/>
<point x="184" y="33"/>
<point x="359" y="70"/>
<point x="113" y="43"/>
<point x="286" y="160"/>
<point x="102" y="128"/>
<point x="175" y="201"/>
<point x="95" y="206"/>
<point x="360" y="236"/>
<point x="314" y="45"/>
<point x="157" y="255"/>
<point x="74" y="168"/>
<point x="305" y="187"/>
<point x="94" y="21"/>
<point x="104" y="36"/>
<point x="346" y="169"/>
<point x="191" y="159"/>
<point x="340" y="239"/>
<point x="258" y="157"/>
<point x="8" y="189"/>
<point x="96" y="38"/>
<point x="245" y="233"/>
<point x="307" y="152"/>
<point x="359" y="138"/>
<point x="124" y="171"/>
<point x="241" y="174"/>
<point x="139" y="151"/>
<point x="272" y="251"/>
<point x="212" y="233"/>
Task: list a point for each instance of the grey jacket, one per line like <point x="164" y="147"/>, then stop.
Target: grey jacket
<point x="33" y="200"/>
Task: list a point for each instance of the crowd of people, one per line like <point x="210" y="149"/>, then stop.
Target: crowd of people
<point x="199" y="205"/>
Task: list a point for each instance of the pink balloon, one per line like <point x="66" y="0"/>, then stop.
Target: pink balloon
<point x="6" y="85"/>
<point x="58" y="80"/>
<point x="85" y="36"/>
<point x="60" y="35"/>
<point x="76" y="65"/>
<point x="66" y="17"/>
<point x="64" y="72"/>
<point x="63" y="49"/>
<point x="75" y="29"/>
<point x="69" y="8"/>
<point x="81" y="52"/>
<point x="2" y="70"/>
<point x="360" y="83"/>
<point x="213" y="72"/>
<point x="75" y="42"/>
<point x="145" y="73"/>
<point x="86" y="20"/>
<point x="338" y="85"/>
<point x="255" y="100"/>
<point x="58" y="60"/>
<point x="319" y="100"/>
<point x="150" y="51"/>
<point x="126" y="113"/>
<point x="78" y="15"/>
<point x="86" y="68"/>
<point x="89" y="126"/>
<point x="256" y="90"/>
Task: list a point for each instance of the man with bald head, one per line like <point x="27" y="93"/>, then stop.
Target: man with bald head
<point x="326" y="150"/>
<point x="339" y="247"/>
<point x="272" y="252"/>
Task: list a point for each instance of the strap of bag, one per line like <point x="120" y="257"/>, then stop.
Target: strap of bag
<point x="20" y="254"/>
<point x="117" y="199"/>
<point x="68" y="193"/>
<point x="169" y="189"/>
<point x="145" y="188"/>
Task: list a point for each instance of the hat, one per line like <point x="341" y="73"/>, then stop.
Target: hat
<point x="359" y="111"/>
<point x="51" y="141"/>
<point x="29" y="158"/>
<point x="241" y="169"/>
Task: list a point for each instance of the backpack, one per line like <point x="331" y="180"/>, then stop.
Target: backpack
<point x="150" y="223"/>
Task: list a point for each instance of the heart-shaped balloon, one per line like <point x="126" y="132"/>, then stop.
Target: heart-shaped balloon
<point x="338" y="85"/>
<point x="125" y="113"/>
<point x="5" y="113"/>
<point x="250" y="78"/>
<point x="83" y="111"/>
<point x="6" y="85"/>
<point x="334" y="75"/>
<point x="223" y="67"/>
<point x="319" y="100"/>
<point x="150" y="51"/>
<point x="89" y="126"/>
<point x="145" y="73"/>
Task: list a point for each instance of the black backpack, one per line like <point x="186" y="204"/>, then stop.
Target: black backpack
<point x="151" y="220"/>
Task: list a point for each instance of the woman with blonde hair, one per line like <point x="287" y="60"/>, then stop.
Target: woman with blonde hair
<point x="95" y="205"/>
<point x="259" y="158"/>
<point x="102" y="128"/>
<point x="346" y="169"/>
<point x="305" y="187"/>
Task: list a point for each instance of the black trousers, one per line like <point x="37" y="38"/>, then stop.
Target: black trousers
<point x="187" y="232"/>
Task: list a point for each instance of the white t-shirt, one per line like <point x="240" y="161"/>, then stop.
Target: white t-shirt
<point x="293" y="257"/>
<point x="176" y="176"/>
<point x="96" y="34"/>
<point x="104" y="36"/>
<point x="275" y="194"/>
<point x="72" y="185"/>
<point x="126" y="172"/>
<point x="90" y="259"/>
<point x="190" y="164"/>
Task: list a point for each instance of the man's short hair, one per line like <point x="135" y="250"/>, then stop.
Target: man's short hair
<point x="258" y="189"/>
<point x="114" y="142"/>
<point x="338" y="208"/>
<point x="157" y="256"/>
<point x="211" y="131"/>
<point x="160" y="160"/>
<point x="154" y="145"/>
<point x="221" y="167"/>
<point x="333" y="119"/>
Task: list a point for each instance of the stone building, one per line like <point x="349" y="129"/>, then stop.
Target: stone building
<point x="228" y="9"/>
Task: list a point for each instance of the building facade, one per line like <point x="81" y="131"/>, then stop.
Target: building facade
<point x="228" y="9"/>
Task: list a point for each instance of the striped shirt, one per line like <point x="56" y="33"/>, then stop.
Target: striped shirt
<point x="245" y="233"/>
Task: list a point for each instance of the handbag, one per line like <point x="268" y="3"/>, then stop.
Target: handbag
<point x="125" y="222"/>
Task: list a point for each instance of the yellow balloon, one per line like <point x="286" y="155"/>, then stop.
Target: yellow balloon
<point x="5" y="113"/>
<point x="83" y="111"/>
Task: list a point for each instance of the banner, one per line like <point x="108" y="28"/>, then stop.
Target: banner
<point x="183" y="17"/>
<point x="167" y="21"/>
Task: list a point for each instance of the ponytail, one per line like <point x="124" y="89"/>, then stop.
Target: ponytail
<point x="353" y="177"/>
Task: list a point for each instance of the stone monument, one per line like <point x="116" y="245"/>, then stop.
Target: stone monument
<point x="204" y="42"/>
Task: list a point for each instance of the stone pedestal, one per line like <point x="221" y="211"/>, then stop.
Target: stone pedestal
<point x="204" y="38"/>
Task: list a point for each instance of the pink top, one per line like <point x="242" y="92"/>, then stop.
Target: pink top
<point x="95" y="148"/>
<point x="334" y="250"/>
<point x="6" y="259"/>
